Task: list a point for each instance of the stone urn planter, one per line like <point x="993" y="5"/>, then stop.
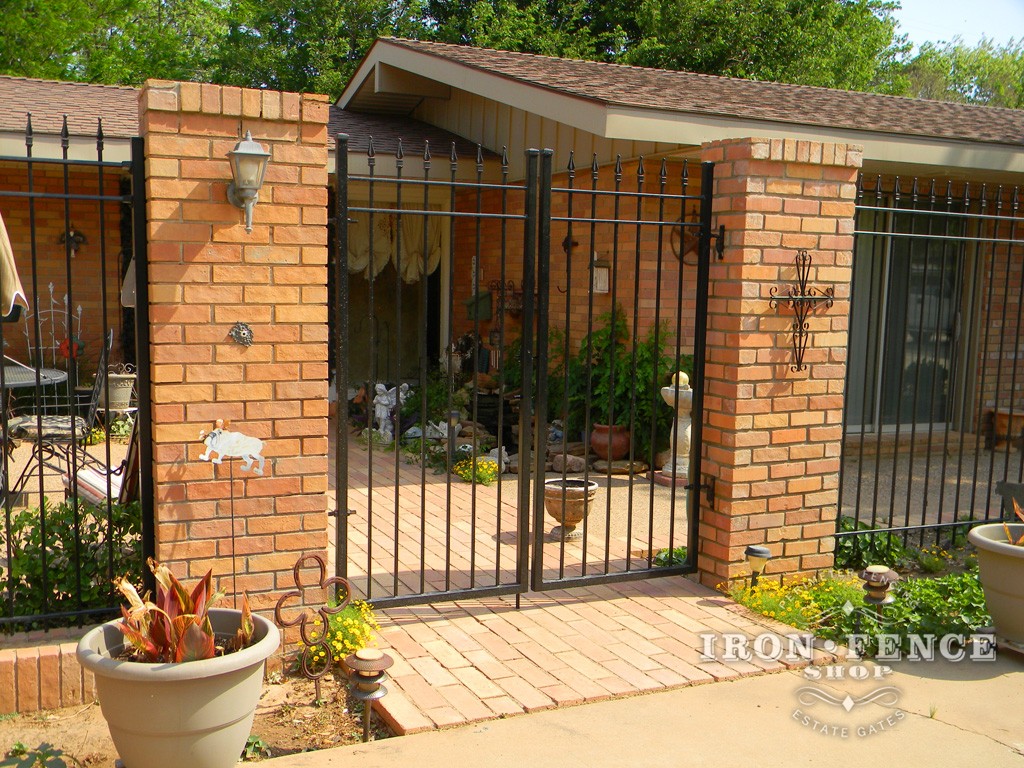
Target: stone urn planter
<point x="610" y="443"/>
<point x="567" y="502"/>
<point x="196" y="714"/>
<point x="1001" y="570"/>
<point x="120" y="385"/>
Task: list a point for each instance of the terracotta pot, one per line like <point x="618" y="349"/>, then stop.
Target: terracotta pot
<point x="1001" y="570"/>
<point x="567" y="501"/>
<point x="196" y="714"/>
<point x="610" y="443"/>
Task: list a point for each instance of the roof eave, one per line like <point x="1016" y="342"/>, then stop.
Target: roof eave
<point x="687" y="128"/>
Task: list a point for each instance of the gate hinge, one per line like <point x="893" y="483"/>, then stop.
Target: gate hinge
<point x="708" y="487"/>
<point x="719" y="238"/>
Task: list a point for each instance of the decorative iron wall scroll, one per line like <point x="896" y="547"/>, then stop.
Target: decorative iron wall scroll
<point x="802" y="299"/>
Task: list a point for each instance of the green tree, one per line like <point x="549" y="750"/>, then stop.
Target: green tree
<point x="833" y="43"/>
<point x="307" y="45"/>
<point x="44" y="38"/>
<point x="559" y="28"/>
<point x="849" y="44"/>
<point x="982" y="74"/>
<point x="168" y="39"/>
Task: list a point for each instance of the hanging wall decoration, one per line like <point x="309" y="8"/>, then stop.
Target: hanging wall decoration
<point x="802" y="299"/>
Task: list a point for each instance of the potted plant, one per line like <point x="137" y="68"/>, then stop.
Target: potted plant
<point x="178" y="680"/>
<point x="1001" y="570"/>
<point x="615" y="389"/>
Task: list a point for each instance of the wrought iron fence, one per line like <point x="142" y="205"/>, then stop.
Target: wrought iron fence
<point x="72" y="518"/>
<point x="933" y="415"/>
<point x="475" y="314"/>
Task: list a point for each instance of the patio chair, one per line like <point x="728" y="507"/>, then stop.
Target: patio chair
<point x="54" y="435"/>
<point x="53" y="340"/>
<point x="95" y="482"/>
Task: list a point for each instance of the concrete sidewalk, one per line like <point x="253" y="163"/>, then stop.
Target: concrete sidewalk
<point x="939" y="714"/>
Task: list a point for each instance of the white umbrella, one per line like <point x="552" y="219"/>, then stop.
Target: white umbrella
<point x="10" y="283"/>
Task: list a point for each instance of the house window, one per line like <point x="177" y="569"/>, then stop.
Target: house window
<point x="906" y="353"/>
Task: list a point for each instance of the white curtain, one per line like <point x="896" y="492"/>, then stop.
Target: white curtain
<point x="413" y="262"/>
<point x="359" y="243"/>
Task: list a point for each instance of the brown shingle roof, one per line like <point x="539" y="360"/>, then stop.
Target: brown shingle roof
<point x="615" y="84"/>
<point x="83" y="103"/>
<point x="386" y="130"/>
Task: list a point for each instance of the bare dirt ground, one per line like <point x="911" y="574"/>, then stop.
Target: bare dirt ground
<point x="287" y="721"/>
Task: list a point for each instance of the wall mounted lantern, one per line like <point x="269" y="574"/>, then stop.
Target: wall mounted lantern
<point x="248" y="165"/>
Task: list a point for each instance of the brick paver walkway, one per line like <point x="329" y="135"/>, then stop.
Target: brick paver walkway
<point x="470" y="660"/>
<point x="457" y="663"/>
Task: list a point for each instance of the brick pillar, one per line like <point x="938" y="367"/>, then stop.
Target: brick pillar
<point x="205" y="274"/>
<point x="772" y="436"/>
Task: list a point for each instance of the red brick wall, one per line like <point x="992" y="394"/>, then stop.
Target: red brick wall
<point x="50" y="262"/>
<point x="772" y="436"/>
<point x="205" y="274"/>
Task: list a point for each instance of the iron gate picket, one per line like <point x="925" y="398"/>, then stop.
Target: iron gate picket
<point x="408" y="241"/>
<point x="73" y="517"/>
<point x="936" y="325"/>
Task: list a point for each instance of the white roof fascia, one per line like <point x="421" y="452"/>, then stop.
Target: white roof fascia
<point x="115" y="150"/>
<point x="686" y="128"/>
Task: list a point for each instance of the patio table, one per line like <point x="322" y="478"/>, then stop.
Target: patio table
<point x="20" y="376"/>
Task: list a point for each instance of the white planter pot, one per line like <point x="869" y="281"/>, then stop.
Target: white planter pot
<point x="121" y="386"/>
<point x="197" y="714"/>
<point x="1001" y="569"/>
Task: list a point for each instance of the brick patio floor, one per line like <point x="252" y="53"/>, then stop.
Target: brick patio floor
<point x="470" y="660"/>
<point x="457" y="663"/>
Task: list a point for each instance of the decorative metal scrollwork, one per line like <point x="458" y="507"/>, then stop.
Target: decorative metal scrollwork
<point x="242" y="334"/>
<point x="802" y="299"/>
<point x="316" y="656"/>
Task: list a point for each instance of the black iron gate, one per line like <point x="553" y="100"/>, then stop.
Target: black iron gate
<point x="934" y="418"/>
<point x="76" y="510"/>
<point x="560" y="305"/>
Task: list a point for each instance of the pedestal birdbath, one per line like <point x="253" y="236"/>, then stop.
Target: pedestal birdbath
<point x="679" y="396"/>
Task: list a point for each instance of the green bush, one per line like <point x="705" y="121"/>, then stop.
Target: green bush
<point x="349" y="630"/>
<point x="69" y="568"/>
<point x="833" y="607"/>
<point x="864" y="549"/>
<point x="611" y="377"/>
<point x="667" y="557"/>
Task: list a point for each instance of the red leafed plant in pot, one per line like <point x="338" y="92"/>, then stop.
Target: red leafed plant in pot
<point x="178" y="680"/>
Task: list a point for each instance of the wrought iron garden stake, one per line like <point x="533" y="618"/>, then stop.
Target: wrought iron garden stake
<point x="316" y="658"/>
<point x="802" y="299"/>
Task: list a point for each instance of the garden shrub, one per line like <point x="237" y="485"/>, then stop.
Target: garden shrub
<point x="864" y="549"/>
<point x="349" y="630"/>
<point x="76" y="577"/>
<point x="833" y="607"/>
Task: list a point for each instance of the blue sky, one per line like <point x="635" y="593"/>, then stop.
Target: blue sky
<point x="934" y="20"/>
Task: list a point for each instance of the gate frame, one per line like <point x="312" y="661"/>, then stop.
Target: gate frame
<point x="537" y="217"/>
